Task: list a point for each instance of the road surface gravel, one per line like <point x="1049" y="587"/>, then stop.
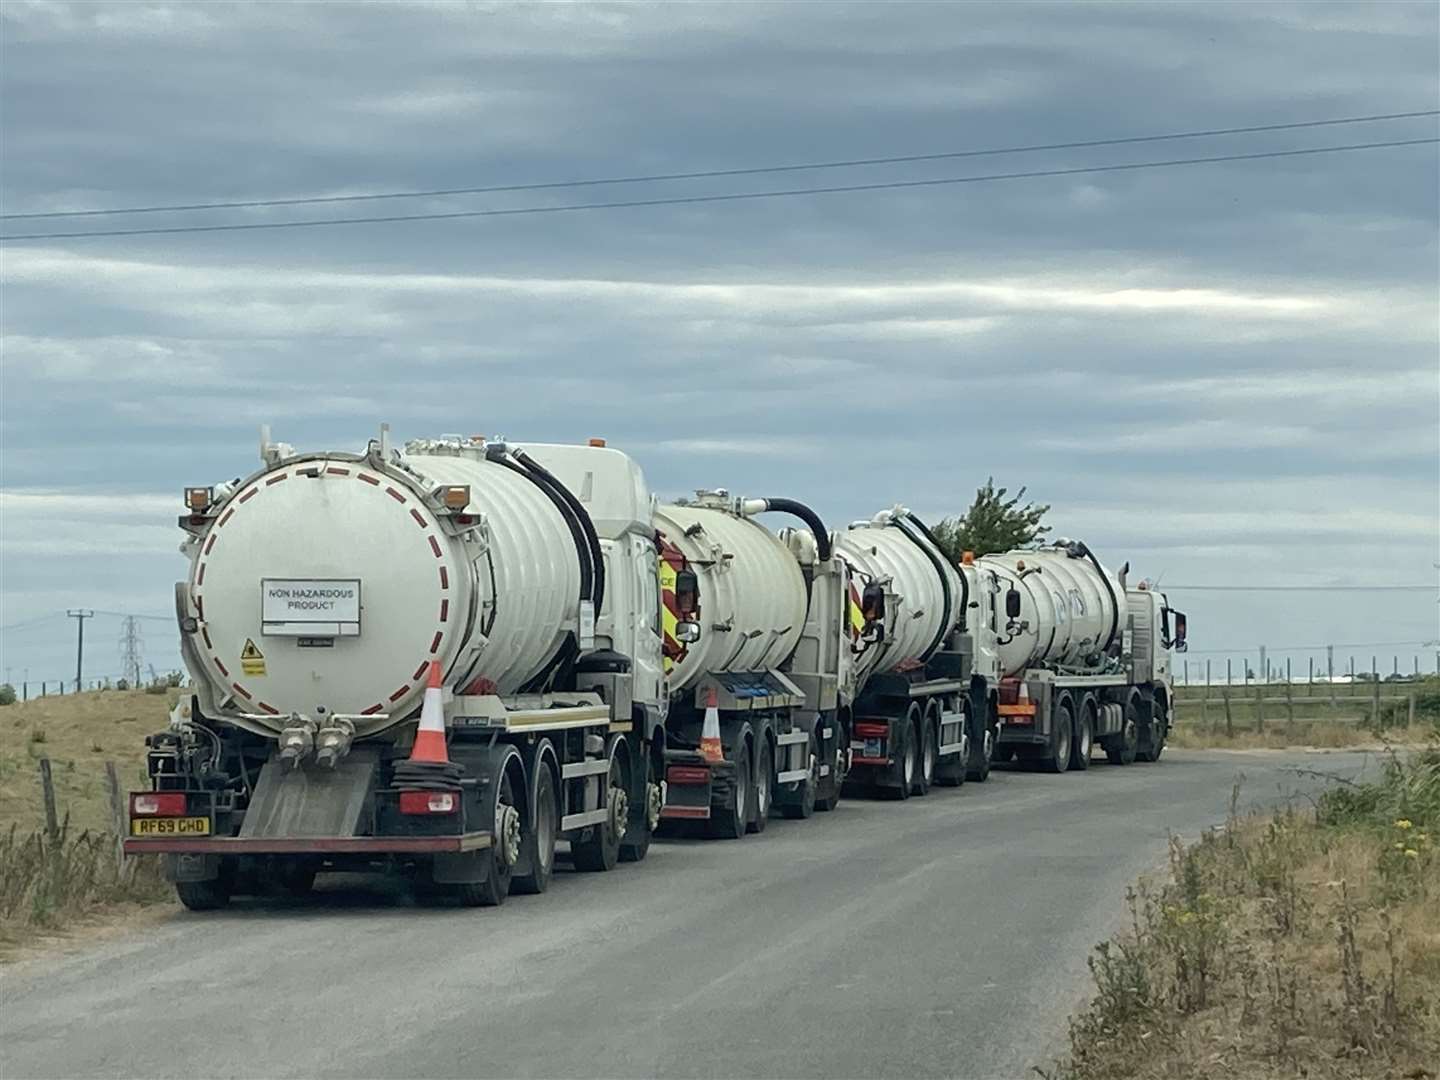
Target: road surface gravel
<point x="943" y="936"/>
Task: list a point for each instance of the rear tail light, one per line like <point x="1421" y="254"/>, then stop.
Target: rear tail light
<point x="199" y="499"/>
<point x="687" y="774"/>
<point x="157" y="804"/>
<point x="429" y="802"/>
<point x="872" y="731"/>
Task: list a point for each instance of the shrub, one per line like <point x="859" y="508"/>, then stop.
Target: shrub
<point x="7" y="694"/>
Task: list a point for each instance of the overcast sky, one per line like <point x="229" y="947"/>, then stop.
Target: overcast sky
<point x="1226" y="374"/>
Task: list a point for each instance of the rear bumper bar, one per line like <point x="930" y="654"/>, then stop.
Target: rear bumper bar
<point x="307" y="845"/>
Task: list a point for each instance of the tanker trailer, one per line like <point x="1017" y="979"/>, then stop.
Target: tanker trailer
<point x="923" y="710"/>
<point x="766" y="670"/>
<point x="504" y="599"/>
<point x="1083" y="658"/>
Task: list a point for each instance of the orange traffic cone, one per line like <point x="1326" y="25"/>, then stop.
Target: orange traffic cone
<point x="430" y="739"/>
<point x="710" y="747"/>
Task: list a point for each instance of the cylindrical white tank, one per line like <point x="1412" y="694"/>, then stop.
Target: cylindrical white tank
<point x="1068" y="602"/>
<point x="752" y="592"/>
<point x="367" y="577"/>
<point x="923" y="590"/>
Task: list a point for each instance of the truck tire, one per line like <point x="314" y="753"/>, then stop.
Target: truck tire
<point x="982" y="743"/>
<point x="1152" y="742"/>
<point x="958" y="768"/>
<point x="902" y="746"/>
<point x="203" y="895"/>
<point x="827" y="793"/>
<point x="1084" y="742"/>
<point x="764" y="786"/>
<point x="728" y="822"/>
<point x="500" y="869"/>
<point x="1121" y="749"/>
<point x="644" y="817"/>
<point x="600" y="851"/>
<point x="927" y="750"/>
<point x="539" y="849"/>
<point x="1057" y="759"/>
<point x="803" y="804"/>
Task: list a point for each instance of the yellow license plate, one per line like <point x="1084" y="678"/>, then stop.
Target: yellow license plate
<point x="170" y="826"/>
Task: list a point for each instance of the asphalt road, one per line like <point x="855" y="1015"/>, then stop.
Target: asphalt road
<point x="944" y="936"/>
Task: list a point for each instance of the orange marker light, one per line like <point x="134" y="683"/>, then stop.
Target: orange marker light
<point x="967" y="558"/>
<point x="597" y="442"/>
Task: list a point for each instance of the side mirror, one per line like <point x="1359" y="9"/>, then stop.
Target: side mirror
<point x="1012" y="603"/>
<point x="872" y="603"/>
<point x="687" y="592"/>
<point x="687" y="632"/>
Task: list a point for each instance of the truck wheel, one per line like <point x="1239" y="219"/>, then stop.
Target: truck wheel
<point x="1121" y="749"/>
<point x="1058" y="759"/>
<point x="203" y="895"/>
<point x="764" y="787"/>
<point x="927" y="751"/>
<point x="902" y="746"/>
<point x="504" y="851"/>
<point x="602" y="850"/>
<point x="1084" y="741"/>
<point x="982" y="745"/>
<point x="804" y="806"/>
<point x="644" y="817"/>
<point x="1152" y="741"/>
<point x="829" y="798"/>
<point x="539" y="853"/>
<point x="728" y="822"/>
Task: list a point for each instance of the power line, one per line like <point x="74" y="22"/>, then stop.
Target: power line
<point x="726" y="197"/>
<point x="709" y="174"/>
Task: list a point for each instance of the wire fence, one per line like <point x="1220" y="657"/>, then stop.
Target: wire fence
<point x="1315" y="664"/>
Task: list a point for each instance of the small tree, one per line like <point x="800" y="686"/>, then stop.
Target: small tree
<point x="993" y="523"/>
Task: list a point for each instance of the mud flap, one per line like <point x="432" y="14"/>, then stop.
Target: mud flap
<point x="460" y="867"/>
<point x="310" y="801"/>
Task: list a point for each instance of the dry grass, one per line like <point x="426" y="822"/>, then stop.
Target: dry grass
<point x="1320" y="733"/>
<point x="78" y="733"/>
<point x="1307" y="944"/>
<point x="52" y="885"/>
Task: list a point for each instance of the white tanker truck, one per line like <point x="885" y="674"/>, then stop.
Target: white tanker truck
<point x="770" y="660"/>
<point x="926" y="671"/>
<point x="324" y="588"/>
<point x="569" y="638"/>
<point x="1082" y="657"/>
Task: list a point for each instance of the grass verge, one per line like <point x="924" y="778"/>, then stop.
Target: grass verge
<point x="1303" y="944"/>
<point x="52" y="884"/>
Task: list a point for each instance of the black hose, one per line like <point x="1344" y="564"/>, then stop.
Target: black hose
<point x="964" y="582"/>
<point x="1085" y="552"/>
<point x="939" y="564"/>
<point x="597" y="559"/>
<point x="805" y="514"/>
<point x="583" y="554"/>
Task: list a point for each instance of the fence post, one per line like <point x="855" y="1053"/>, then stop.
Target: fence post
<point x="1205" y="699"/>
<point x="117" y="818"/>
<point x="1375" y="704"/>
<point x="25" y="686"/>
<point x="1330" y="672"/>
<point x="47" y="791"/>
<point x="42" y="687"/>
<point x="1229" y="676"/>
<point x="1229" y="720"/>
<point x="1289" y="705"/>
<point x="1259" y="707"/>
